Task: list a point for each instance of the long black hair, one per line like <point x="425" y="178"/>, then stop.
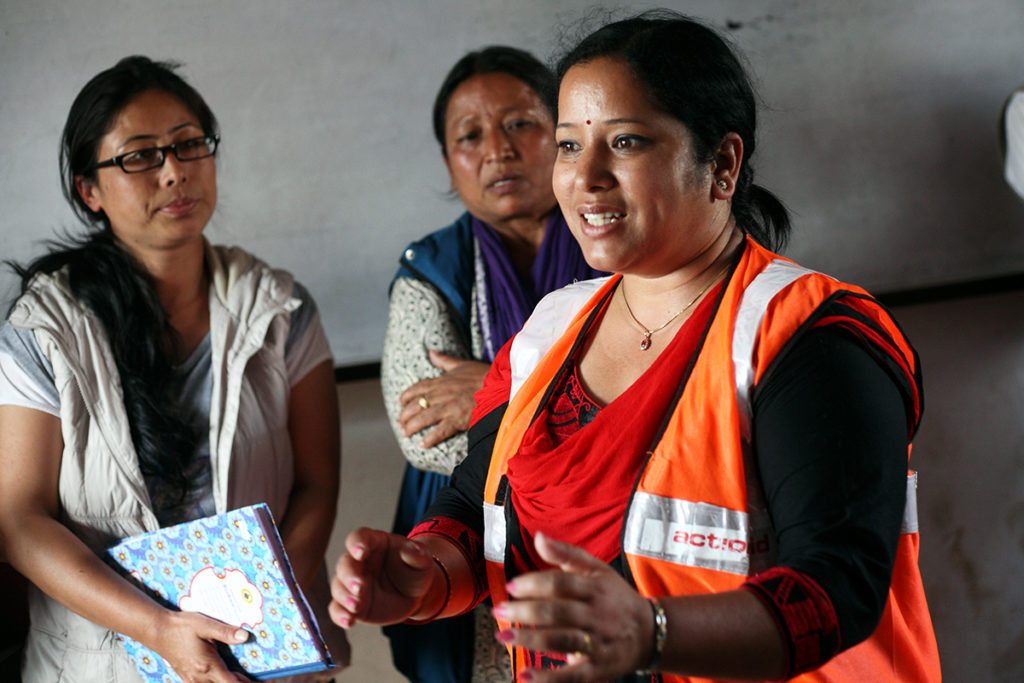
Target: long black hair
<point x="690" y="72"/>
<point x="105" y="278"/>
<point x="488" y="60"/>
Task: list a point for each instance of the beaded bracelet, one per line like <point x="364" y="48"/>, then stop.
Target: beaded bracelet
<point x="660" y="636"/>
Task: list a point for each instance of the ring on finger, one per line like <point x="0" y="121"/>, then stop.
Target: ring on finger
<point x="423" y="402"/>
<point x="587" y="647"/>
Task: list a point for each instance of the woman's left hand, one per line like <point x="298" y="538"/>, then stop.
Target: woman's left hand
<point x="444" y="403"/>
<point x="583" y="608"/>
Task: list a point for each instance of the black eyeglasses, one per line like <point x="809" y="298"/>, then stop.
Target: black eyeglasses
<point x="153" y="157"/>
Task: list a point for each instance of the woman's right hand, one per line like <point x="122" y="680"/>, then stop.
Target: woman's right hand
<point x="381" y="579"/>
<point x="187" y="641"/>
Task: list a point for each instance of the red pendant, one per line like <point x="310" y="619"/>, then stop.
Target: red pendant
<point x="646" y="343"/>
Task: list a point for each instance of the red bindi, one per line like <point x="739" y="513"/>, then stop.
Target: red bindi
<point x="588" y="122"/>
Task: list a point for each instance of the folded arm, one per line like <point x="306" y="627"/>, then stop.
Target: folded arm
<point x="430" y="432"/>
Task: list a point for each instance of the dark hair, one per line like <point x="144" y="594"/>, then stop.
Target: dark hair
<point x="105" y="278"/>
<point x="494" y="59"/>
<point x="690" y="72"/>
<point x="98" y="104"/>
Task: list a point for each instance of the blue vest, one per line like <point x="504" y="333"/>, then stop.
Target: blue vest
<point x="441" y="651"/>
<point x="445" y="260"/>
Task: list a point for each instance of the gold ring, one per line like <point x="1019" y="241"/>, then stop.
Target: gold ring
<point x="424" y="403"/>
<point x="588" y="644"/>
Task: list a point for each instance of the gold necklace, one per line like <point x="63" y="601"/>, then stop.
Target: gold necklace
<point x="646" y="342"/>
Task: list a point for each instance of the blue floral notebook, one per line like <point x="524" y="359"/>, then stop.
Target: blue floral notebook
<point x="231" y="567"/>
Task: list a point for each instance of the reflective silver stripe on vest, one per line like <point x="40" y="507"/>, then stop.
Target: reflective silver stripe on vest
<point x="494" y="533"/>
<point x="548" y="322"/>
<point x="543" y="328"/>
<point x="696" y="535"/>
<point x="753" y="306"/>
<point x="910" y="511"/>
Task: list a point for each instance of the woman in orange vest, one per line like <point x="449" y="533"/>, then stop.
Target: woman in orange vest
<point x="717" y="436"/>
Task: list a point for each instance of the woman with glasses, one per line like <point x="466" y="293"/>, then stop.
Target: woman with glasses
<point x="695" y="468"/>
<point x="149" y="378"/>
<point x="459" y="294"/>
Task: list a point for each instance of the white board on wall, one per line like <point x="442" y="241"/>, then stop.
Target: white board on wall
<point x="880" y="131"/>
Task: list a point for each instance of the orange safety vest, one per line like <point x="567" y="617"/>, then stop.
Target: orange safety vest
<point x="686" y="532"/>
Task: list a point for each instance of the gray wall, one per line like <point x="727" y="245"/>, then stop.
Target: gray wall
<point x="879" y="133"/>
<point x="970" y="453"/>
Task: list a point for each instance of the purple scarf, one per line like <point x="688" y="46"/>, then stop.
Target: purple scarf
<point x="506" y="299"/>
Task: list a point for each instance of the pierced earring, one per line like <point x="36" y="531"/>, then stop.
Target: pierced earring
<point x="722" y="185"/>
